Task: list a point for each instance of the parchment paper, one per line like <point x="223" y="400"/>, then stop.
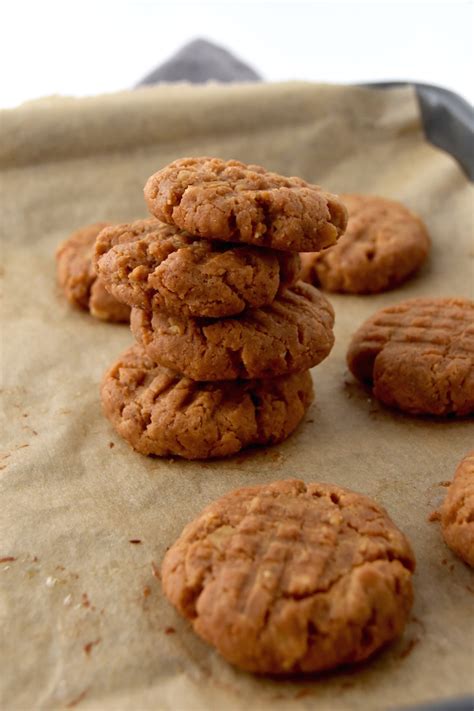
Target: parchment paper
<point x="84" y="622"/>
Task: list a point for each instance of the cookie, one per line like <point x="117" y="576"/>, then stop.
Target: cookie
<point x="384" y="243"/>
<point x="457" y="511"/>
<point x="231" y="201"/>
<point x="78" y="280"/>
<point x="162" y="413"/>
<point x="291" y="577"/>
<point x="293" y="333"/>
<point x="419" y="356"/>
<point x="155" y="266"/>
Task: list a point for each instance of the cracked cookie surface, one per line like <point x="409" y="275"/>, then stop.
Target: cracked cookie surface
<point x="384" y="244"/>
<point x="291" y="577"/>
<point x="151" y="265"/>
<point x="293" y="333"/>
<point x="419" y="356"/>
<point x="235" y="202"/>
<point x="457" y="511"/>
<point x="162" y="413"/>
<point x="78" y="279"/>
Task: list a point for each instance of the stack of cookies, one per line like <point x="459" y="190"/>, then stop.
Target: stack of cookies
<point x="225" y="332"/>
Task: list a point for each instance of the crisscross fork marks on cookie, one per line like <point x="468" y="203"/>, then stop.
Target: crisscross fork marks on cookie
<point x="419" y="355"/>
<point x="162" y="413"/>
<point x="293" y="333"/>
<point x="274" y="576"/>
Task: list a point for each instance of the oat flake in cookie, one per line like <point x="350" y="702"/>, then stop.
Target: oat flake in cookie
<point x="163" y="413"/>
<point x="419" y="356"/>
<point x="383" y="245"/>
<point x="457" y="511"/>
<point x="78" y="279"/>
<point x="291" y="577"/>
<point x="231" y="201"/>
<point x="151" y="265"/>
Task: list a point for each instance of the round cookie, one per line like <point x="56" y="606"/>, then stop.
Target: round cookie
<point x="419" y="356"/>
<point x="291" y="577"/>
<point x="293" y="333"/>
<point x="457" y="511"/>
<point x="155" y="266"/>
<point x="384" y="243"/>
<point x="78" y="280"/>
<point x="235" y="202"/>
<point x="163" y="413"/>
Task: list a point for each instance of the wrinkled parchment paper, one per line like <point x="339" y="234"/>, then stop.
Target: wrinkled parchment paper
<point x="85" y="520"/>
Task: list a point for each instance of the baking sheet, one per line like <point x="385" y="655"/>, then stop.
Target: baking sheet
<point x="84" y="622"/>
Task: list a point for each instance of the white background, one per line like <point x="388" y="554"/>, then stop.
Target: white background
<point x="77" y="48"/>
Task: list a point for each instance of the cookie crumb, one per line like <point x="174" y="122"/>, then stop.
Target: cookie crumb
<point x="135" y="541"/>
<point x="170" y="630"/>
<point x="434" y="516"/>
<point x="111" y="445"/>
<point x="88" y="647"/>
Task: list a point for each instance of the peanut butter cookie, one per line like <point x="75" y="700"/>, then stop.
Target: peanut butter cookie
<point x="457" y="511"/>
<point x="152" y="265"/>
<point x="419" y="356"/>
<point x="383" y="245"/>
<point x="162" y="413"/>
<point x="291" y="577"/>
<point x="293" y="333"/>
<point x="77" y="277"/>
<point x="231" y="201"/>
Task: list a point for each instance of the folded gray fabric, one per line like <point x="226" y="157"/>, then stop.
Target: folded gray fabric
<point x="201" y="61"/>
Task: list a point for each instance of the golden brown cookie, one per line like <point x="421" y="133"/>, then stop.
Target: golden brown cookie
<point x="152" y="265"/>
<point x="162" y="413"/>
<point x="235" y="202"/>
<point x="384" y="243"/>
<point x="291" y="577"/>
<point x="293" y="333"/>
<point x="78" y="280"/>
<point x="457" y="511"/>
<point x="419" y="356"/>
